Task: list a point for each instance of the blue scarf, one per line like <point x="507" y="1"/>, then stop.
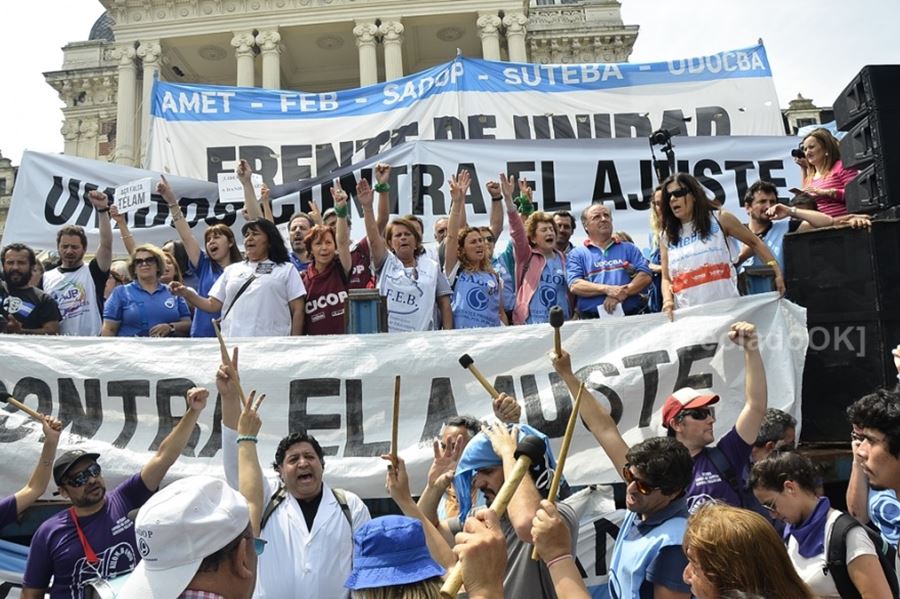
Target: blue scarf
<point x="810" y="535"/>
<point x="479" y="454"/>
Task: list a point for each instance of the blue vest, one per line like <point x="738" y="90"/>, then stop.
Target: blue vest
<point x="633" y="553"/>
<point x="476" y="300"/>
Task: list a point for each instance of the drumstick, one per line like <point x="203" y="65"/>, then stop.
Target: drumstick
<point x="557" y="318"/>
<point x="563" y="452"/>
<point x="7" y="398"/>
<point x="467" y="362"/>
<point x="395" y="425"/>
<point x="226" y="359"/>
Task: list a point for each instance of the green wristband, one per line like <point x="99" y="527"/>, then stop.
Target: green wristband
<point x="382" y="187"/>
<point x="340" y="211"/>
<point x="524" y="204"/>
<point x="247" y="438"/>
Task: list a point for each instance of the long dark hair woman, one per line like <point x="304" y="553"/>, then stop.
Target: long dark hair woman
<point x="785" y="484"/>
<point x="262" y="296"/>
<point x="698" y="260"/>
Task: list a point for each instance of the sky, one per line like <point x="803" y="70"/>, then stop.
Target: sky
<point x="814" y="46"/>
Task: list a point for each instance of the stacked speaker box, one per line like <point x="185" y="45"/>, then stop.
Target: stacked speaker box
<point x="849" y="282"/>
<point x="869" y="111"/>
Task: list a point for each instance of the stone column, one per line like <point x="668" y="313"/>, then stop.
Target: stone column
<point x="393" y="49"/>
<point x="515" y="36"/>
<point x="125" y="105"/>
<point x="489" y="32"/>
<point x="70" y="135"/>
<point x="269" y="42"/>
<point x="243" y="43"/>
<point x="368" y="59"/>
<point x="87" y="144"/>
<point x="150" y="53"/>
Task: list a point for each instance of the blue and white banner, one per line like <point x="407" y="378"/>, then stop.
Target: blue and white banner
<point x="200" y="130"/>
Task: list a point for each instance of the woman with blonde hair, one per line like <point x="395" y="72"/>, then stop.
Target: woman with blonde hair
<point x="732" y="549"/>
<point x="824" y="175"/>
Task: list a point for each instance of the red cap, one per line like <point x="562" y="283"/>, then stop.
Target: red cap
<point x="683" y="399"/>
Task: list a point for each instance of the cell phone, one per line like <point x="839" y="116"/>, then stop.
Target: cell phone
<point x="795" y="190"/>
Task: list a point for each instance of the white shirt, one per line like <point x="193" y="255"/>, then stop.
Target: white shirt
<point x="299" y="563"/>
<point x="76" y="295"/>
<point x="410" y="293"/>
<point x="811" y="569"/>
<point x="262" y="309"/>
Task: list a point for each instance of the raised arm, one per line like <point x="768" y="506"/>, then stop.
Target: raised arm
<point x="496" y="223"/>
<point x="171" y="447"/>
<point x="250" y="476"/>
<point x="40" y="477"/>
<point x="383" y="212"/>
<point x="251" y="203"/>
<point x="526" y="500"/>
<point x="266" y="203"/>
<point x="227" y="385"/>
<point x="341" y="230"/>
<point x="752" y="414"/>
<point x="459" y="185"/>
<point x="184" y="230"/>
<point x="598" y="420"/>
<point x="124" y="232"/>
<point x="104" y="251"/>
<point x="857" y="487"/>
<point x="376" y="239"/>
<point x="554" y="544"/>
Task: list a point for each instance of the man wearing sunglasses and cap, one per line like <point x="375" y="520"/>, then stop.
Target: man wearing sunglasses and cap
<point x="647" y="560"/>
<point x="95" y="538"/>
<point x="689" y="416"/>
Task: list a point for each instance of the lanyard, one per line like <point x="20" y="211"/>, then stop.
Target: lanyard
<point x="88" y="551"/>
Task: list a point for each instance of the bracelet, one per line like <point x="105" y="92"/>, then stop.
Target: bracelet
<point x="382" y="187"/>
<point x="102" y="210"/>
<point x="772" y="263"/>
<point x="340" y="211"/>
<point x="793" y="211"/>
<point x="559" y="559"/>
<point x="129" y="236"/>
<point x="177" y="216"/>
<point x="247" y="438"/>
<point x="496" y="198"/>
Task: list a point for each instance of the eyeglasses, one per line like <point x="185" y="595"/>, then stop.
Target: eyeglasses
<point x="680" y="192"/>
<point x="643" y="487"/>
<point x="143" y="261"/>
<point x="85" y="475"/>
<point x="770" y="506"/>
<point x="697" y="413"/>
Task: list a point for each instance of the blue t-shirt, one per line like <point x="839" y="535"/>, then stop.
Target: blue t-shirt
<point x="208" y="272"/>
<point x="476" y="300"/>
<point x="605" y="267"/>
<point x="297" y="262"/>
<point x="552" y="291"/>
<point x="884" y="511"/>
<point x="774" y="240"/>
<point x="138" y="311"/>
<point x="509" y="287"/>
<point x="8" y="510"/>
<point x="708" y="483"/>
<point x="57" y="552"/>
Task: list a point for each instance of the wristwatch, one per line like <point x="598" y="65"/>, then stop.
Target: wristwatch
<point x="171" y="329"/>
<point x="793" y="211"/>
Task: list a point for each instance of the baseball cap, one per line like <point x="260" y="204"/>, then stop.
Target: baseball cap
<point x="64" y="463"/>
<point x="683" y="399"/>
<point x="390" y="551"/>
<point x="179" y="526"/>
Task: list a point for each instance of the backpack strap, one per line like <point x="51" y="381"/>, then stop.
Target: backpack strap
<point x="341" y="497"/>
<point x="836" y="556"/>
<point x="274" y="501"/>
<point x="717" y="457"/>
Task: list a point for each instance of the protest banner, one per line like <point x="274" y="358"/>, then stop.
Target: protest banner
<point x="133" y="196"/>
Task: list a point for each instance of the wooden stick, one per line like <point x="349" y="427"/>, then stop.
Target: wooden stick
<point x="468" y="363"/>
<point x="19" y="405"/>
<point x="226" y="359"/>
<point x="563" y="452"/>
<point x="454" y="580"/>
<point x="395" y="425"/>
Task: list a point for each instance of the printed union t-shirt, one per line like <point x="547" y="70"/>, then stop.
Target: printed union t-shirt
<point x="31" y="307"/>
<point x="708" y="483"/>
<point x="326" y="299"/>
<point x="476" y="299"/>
<point x="552" y="291"/>
<point x="57" y="552"/>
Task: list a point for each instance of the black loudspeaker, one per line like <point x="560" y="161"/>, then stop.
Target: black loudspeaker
<point x="873" y="189"/>
<point x="874" y="87"/>
<point x="849" y="282"/>
<point x="873" y="145"/>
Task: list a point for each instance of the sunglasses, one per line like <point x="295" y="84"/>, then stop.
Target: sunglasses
<point x="85" y="475"/>
<point x="143" y="261"/>
<point x="259" y="545"/>
<point x="697" y="413"/>
<point x="643" y="487"/>
<point x="680" y="192"/>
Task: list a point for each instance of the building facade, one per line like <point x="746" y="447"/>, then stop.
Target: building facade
<point x="309" y="45"/>
<point x="7" y="180"/>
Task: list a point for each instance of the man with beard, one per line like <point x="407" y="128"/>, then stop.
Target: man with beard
<point x="565" y="225"/>
<point x="299" y="227"/>
<point x="95" y="537"/>
<point x="29" y="310"/>
<point x="769" y="222"/>
<point x="647" y="560"/>
<point x="78" y="287"/>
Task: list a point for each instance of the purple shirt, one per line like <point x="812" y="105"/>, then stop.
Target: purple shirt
<point x="56" y="550"/>
<point x="8" y="510"/>
<point x="708" y="483"/>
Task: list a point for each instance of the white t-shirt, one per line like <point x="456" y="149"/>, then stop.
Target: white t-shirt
<point x="76" y="294"/>
<point x="262" y="309"/>
<point x="811" y="569"/>
<point x="410" y="292"/>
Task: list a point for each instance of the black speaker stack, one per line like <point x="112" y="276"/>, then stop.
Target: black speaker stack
<point x="868" y="110"/>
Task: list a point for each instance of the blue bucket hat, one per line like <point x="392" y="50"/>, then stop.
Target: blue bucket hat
<point x="479" y="454"/>
<point x="390" y="551"/>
